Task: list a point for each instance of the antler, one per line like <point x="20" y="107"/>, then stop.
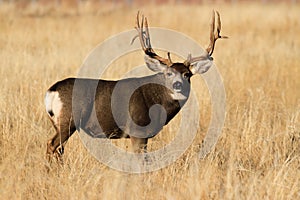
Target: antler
<point x="214" y="36"/>
<point x="145" y="40"/>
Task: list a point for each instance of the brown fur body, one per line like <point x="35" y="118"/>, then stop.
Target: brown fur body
<point x="87" y="104"/>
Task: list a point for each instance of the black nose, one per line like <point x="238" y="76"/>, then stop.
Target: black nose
<point x="177" y="85"/>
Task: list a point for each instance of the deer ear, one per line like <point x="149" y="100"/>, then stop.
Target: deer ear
<point x="201" y="66"/>
<point x="154" y="65"/>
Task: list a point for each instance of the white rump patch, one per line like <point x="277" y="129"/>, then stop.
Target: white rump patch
<point x="53" y="105"/>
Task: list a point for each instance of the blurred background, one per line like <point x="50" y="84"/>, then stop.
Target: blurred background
<point x="79" y="6"/>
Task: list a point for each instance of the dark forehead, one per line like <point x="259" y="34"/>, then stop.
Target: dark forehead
<point x="180" y="67"/>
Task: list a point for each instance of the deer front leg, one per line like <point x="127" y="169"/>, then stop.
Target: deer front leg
<point x="139" y="145"/>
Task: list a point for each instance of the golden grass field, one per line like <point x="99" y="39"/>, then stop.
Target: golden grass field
<point x="257" y="155"/>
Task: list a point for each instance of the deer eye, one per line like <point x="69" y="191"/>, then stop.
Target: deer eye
<point x="169" y="74"/>
<point x="185" y="75"/>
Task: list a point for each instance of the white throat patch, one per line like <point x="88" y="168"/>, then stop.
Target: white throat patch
<point x="178" y="96"/>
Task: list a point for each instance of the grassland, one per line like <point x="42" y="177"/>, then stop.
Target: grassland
<point x="257" y="155"/>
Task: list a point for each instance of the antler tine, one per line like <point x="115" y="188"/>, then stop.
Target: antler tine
<point x="218" y="24"/>
<point x="139" y="28"/>
<point x="144" y="37"/>
<point x="148" y="43"/>
<point x="169" y="57"/>
<point x="214" y="36"/>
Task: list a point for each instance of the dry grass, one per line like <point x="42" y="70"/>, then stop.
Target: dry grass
<point x="257" y="156"/>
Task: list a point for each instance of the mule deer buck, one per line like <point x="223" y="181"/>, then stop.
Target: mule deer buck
<point x="169" y="87"/>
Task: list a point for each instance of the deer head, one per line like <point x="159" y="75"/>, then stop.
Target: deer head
<point x="177" y="75"/>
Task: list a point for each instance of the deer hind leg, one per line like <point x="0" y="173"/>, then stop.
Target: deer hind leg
<point x="55" y="146"/>
<point x="61" y="119"/>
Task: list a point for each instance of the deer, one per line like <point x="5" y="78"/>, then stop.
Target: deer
<point x="168" y="87"/>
